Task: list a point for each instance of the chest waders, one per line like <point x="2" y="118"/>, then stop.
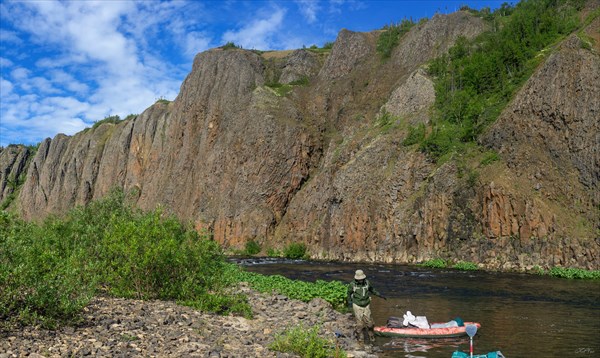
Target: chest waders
<point x="361" y="300"/>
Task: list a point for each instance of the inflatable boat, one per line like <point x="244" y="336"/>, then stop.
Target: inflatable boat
<point x="414" y="332"/>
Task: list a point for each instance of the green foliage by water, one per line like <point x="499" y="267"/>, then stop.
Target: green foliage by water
<point x="252" y="248"/>
<point x="295" y="251"/>
<point x="333" y="292"/>
<point x="573" y="273"/>
<point x="465" y="266"/>
<point x="306" y="342"/>
<point x="435" y="263"/>
<point x="477" y="78"/>
<point x="50" y="271"/>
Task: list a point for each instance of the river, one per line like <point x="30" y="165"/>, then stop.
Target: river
<point x="521" y="315"/>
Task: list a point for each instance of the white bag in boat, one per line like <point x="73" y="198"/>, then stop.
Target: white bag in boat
<point x="418" y="321"/>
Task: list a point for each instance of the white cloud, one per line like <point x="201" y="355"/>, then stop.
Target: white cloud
<point x="97" y="65"/>
<point x="309" y="9"/>
<point x="5" y="62"/>
<point x="259" y="34"/>
<point x="68" y="81"/>
<point x="6" y="87"/>
<point x="196" y="42"/>
<point x="7" y="36"/>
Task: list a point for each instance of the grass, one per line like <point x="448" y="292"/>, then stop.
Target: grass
<point x="306" y="342"/>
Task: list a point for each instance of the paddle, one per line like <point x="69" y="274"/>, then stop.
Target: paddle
<point x="471" y="330"/>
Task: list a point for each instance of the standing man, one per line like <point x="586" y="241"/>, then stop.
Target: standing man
<point x="359" y="299"/>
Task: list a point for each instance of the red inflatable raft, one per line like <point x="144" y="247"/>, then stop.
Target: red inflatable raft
<point x="424" y="332"/>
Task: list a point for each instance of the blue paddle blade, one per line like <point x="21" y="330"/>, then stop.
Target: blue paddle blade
<point x="471" y="330"/>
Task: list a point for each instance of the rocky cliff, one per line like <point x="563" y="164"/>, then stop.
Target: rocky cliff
<point x="307" y="147"/>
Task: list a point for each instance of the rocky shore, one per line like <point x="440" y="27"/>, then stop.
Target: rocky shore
<point x="115" y="327"/>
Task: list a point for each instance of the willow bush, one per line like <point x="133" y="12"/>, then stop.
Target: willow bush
<point x="50" y="271"/>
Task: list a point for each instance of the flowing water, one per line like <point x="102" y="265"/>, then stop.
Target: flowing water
<point x="521" y="315"/>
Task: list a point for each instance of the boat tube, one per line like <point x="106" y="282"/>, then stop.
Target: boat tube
<point x="415" y="332"/>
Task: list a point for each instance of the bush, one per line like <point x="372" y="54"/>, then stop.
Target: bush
<point x="390" y="37"/>
<point x="230" y="46"/>
<point x="295" y="251"/>
<point x="252" y="248"/>
<point x="271" y="252"/>
<point x="328" y="45"/>
<point x="49" y="272"/>
<point x="573" y="273"/>
<point x="110" y="119"/>
<point x="435" y="263"/>
<point x="42" y="279"/>
<point x="465" y="266"/>
<point x="306" y="342"/>
<point x="416" y="134"/>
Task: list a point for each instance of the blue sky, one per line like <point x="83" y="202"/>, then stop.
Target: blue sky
<point x="66" y="64"/>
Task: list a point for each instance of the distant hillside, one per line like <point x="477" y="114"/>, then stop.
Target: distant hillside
<point x="471" y="136"/>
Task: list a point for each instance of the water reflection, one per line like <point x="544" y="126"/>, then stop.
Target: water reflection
<point x="413" y="346"/>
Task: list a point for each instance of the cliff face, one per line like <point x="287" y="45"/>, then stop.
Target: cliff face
<point x="324" y="164"/>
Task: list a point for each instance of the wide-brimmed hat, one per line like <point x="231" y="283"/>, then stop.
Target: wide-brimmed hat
<point x="359" y="275"/>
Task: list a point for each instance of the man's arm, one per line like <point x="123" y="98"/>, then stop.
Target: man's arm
<point x="349" y="299"/>
<point x="376" y="293"/>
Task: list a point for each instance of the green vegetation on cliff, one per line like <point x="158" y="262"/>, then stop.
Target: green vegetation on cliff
<point x="477" y="78"/>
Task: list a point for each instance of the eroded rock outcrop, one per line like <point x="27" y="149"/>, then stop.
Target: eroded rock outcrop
<point x="13" y="166"/>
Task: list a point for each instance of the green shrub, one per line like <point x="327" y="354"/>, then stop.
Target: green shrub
<point x="390" y="37"/>
<point x="230" y="46"/>
<point x="42" y="280"/>
<point x="415" y="135"/>
<point x="328" y="45"/>
<point x="271" y="252"/>
<point x="252" y="248"/>
<point x="295" y="251"/>
<point x="435" y="263"/>
<point x="131" y="116"/>
<point x="573" y="273"/>
<point x="300" y="82"/>
<point x="110" y="119"/>
<point x="50" y="271"/>
<point x="280" y="89"/>
<point x="465" y="266"/>
<point x="306" y="342"/>
<point x="162" y="100"/>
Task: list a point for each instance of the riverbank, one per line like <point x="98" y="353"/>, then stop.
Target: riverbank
<point x="115" y="327"/>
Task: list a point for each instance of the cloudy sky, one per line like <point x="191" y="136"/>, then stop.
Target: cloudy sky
<point x="66" y="64"/>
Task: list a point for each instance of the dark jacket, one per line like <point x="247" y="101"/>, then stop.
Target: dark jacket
<point x="360" y="294"/>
